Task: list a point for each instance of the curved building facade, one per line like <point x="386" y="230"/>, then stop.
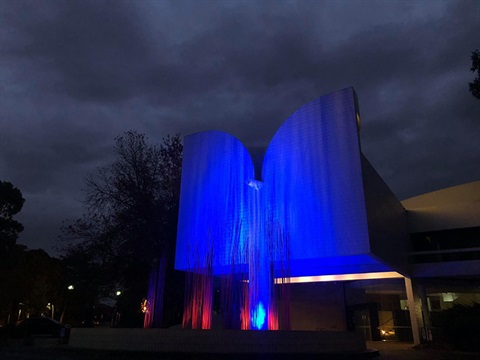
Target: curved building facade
<point x="310" y="237"/>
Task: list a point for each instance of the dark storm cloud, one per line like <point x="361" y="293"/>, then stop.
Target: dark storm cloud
<point x="96" y="48"/>
<point x="75" y="74"/>
<point x="38" y="152"/>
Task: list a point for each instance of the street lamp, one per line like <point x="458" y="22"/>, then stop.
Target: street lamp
<point x="116" y="314"/>
<point x="65" y="298"/>
<point x="51" y="307"/>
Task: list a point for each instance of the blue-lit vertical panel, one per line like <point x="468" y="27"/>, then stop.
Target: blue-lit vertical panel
<point x="214" y="202"/>
<point x="313" y="181"/>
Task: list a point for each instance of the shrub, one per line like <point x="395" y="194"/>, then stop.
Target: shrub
<point x="460" y="326"/>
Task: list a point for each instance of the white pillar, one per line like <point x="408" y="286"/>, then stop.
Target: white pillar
<point x="412" y="311"/>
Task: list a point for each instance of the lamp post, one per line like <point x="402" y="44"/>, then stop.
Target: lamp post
<point x="70" y="288"/>
<point x="116" y="315"/>
<point x="51" y="307"/>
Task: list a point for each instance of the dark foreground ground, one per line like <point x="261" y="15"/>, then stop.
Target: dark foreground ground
<point x="43" y="349"/>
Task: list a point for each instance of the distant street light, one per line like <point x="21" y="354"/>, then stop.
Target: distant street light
<point x="116" y="314"/>
<point x="65" y="300"/>
<point x="51" y="307"/>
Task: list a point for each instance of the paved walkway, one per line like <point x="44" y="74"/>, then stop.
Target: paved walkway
<point x="46" y="349"/>
<point x="390" y="350"/>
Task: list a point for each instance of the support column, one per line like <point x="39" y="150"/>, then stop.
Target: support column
<point x="420" y="290"/>
<point x="413" y="310"/>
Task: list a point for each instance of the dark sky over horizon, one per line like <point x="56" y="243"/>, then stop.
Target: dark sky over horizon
<point x="76" y="74"/>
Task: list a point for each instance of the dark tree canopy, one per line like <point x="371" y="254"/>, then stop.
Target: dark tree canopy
<point x="34" y="280"/>
<point x="11" y="202"/>
<point x="135" y="194"/>
<point x="475" y="85"/>
<point x="130" y="217"/>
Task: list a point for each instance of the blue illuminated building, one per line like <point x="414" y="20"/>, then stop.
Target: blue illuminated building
<point x="312" y="216"/>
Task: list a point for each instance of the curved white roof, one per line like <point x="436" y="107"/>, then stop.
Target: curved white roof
<point x="451" y="208"/>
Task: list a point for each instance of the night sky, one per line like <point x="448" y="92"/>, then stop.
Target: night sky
<point x="76" y="74"/>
